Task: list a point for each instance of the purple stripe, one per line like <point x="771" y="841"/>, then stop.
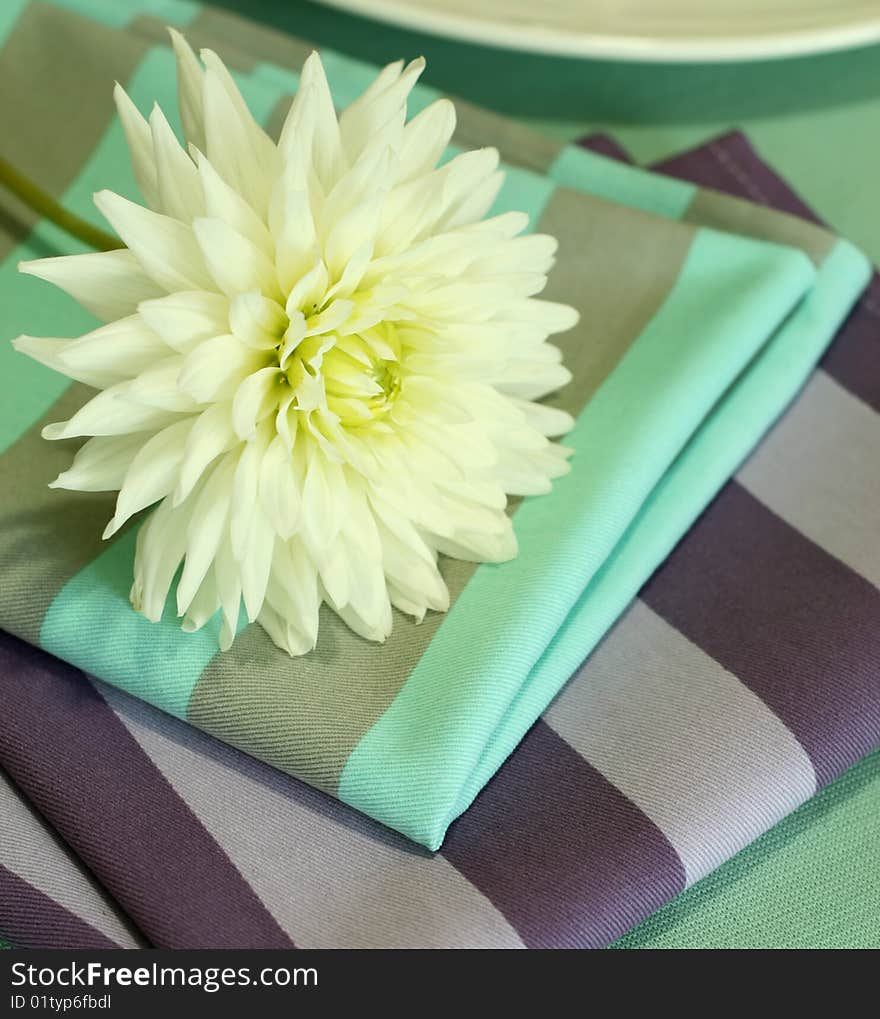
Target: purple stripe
<point x="563" y="854"/>
<point x="854" y="357"/>
<point x="730" y="164"/>
<point x="137" y="836"/>
<point x="603" y="145"/>
<point x="795" y="624"/>
<point x="30" y="919"/>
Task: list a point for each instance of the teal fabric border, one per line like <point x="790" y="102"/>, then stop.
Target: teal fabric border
<point x="119" y="13"/>
<point x="402" y="771"/>
<point x="9" y="12"/>
<point x="582" y="170"/>
<point x="91" y="624"/>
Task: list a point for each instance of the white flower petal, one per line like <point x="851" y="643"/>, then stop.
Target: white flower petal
<point x="355" y="231"/>
<point x="286" y="422"/>
<point x="185" y="318"/>
<point x="296" y="240"/>
<point x="228" y="581"/>
<point x="159" y="549"/>
<point x="324" y="502"/>
<point x="308" y="293"/>
<point x="329" y="319"/>
<point x="224" y="203"/>
<point x="109" y="284"/>
<point x="245" y="508"/>
<point x="103" y="357"/>
<point x="254" y="400"/>
<point x="256" y="565"/>
<point x="292" y="599"/>
<point x="140" y="146"/>
<point x="189" y="90"/>
<point x="480" y="546"/>
<point x="425" y="139"/>
<point x="165" y="247"/>
<point x="214" y="368"/>
<point x="234" y="141"/>
<point x="111" y="412"/>
<point x="211" y="435"/>
<point x="369" y="114"/>
<point x="180" y="191"/>
<point x="206" y="529"/>
<point x="409" y="213"/>
<point x="100" y="464"/>
<point x="548" y="315"/>
<point x="547" y="420"/>
<point x="152" y="473"/>
<point x="530" y="380"/>
<point x="263" y="148"/>
<point x="312" y="121"/>
<point x="157" y="386"/>
<point x="363" y="627"/>
<point x="235" y="263"/>
<point x="279" y="488"/>
<point x="257" y="321"/>
<point x="203" y="606"/>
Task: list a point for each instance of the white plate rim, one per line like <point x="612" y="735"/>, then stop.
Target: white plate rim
<point x="654" y="49"/>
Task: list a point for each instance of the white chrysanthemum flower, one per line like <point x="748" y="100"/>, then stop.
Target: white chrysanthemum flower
<point x="320" y="360"/>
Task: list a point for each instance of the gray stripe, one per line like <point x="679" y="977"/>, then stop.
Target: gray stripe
<point x="330" y="877"/>
<point x="819" y="469"/>
<point x="32" y="851"/>
<point x="518" y="145"/>
<point x="34" y="564"/>
<point x="736" y="215"/>
<point x="56" y="74"/>
<point x="617" y="264"/>
<point x="240" y="42"/>
<point x="688" y="743"/>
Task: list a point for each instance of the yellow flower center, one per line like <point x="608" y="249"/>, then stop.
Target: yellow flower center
<point x="357" y="377"/>
<point x="362" y="376"/>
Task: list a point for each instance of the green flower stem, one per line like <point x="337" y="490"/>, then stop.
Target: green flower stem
<point x="46" y="207"/>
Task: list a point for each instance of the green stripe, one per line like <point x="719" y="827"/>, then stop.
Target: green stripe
<point x="523" y="191"/>
<point x="629" y="185"/>
<point x="402" y="772"/>
<point x="91" y="624"/>
<point x="9" y="14"/>
<point x="118" y="13"/>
